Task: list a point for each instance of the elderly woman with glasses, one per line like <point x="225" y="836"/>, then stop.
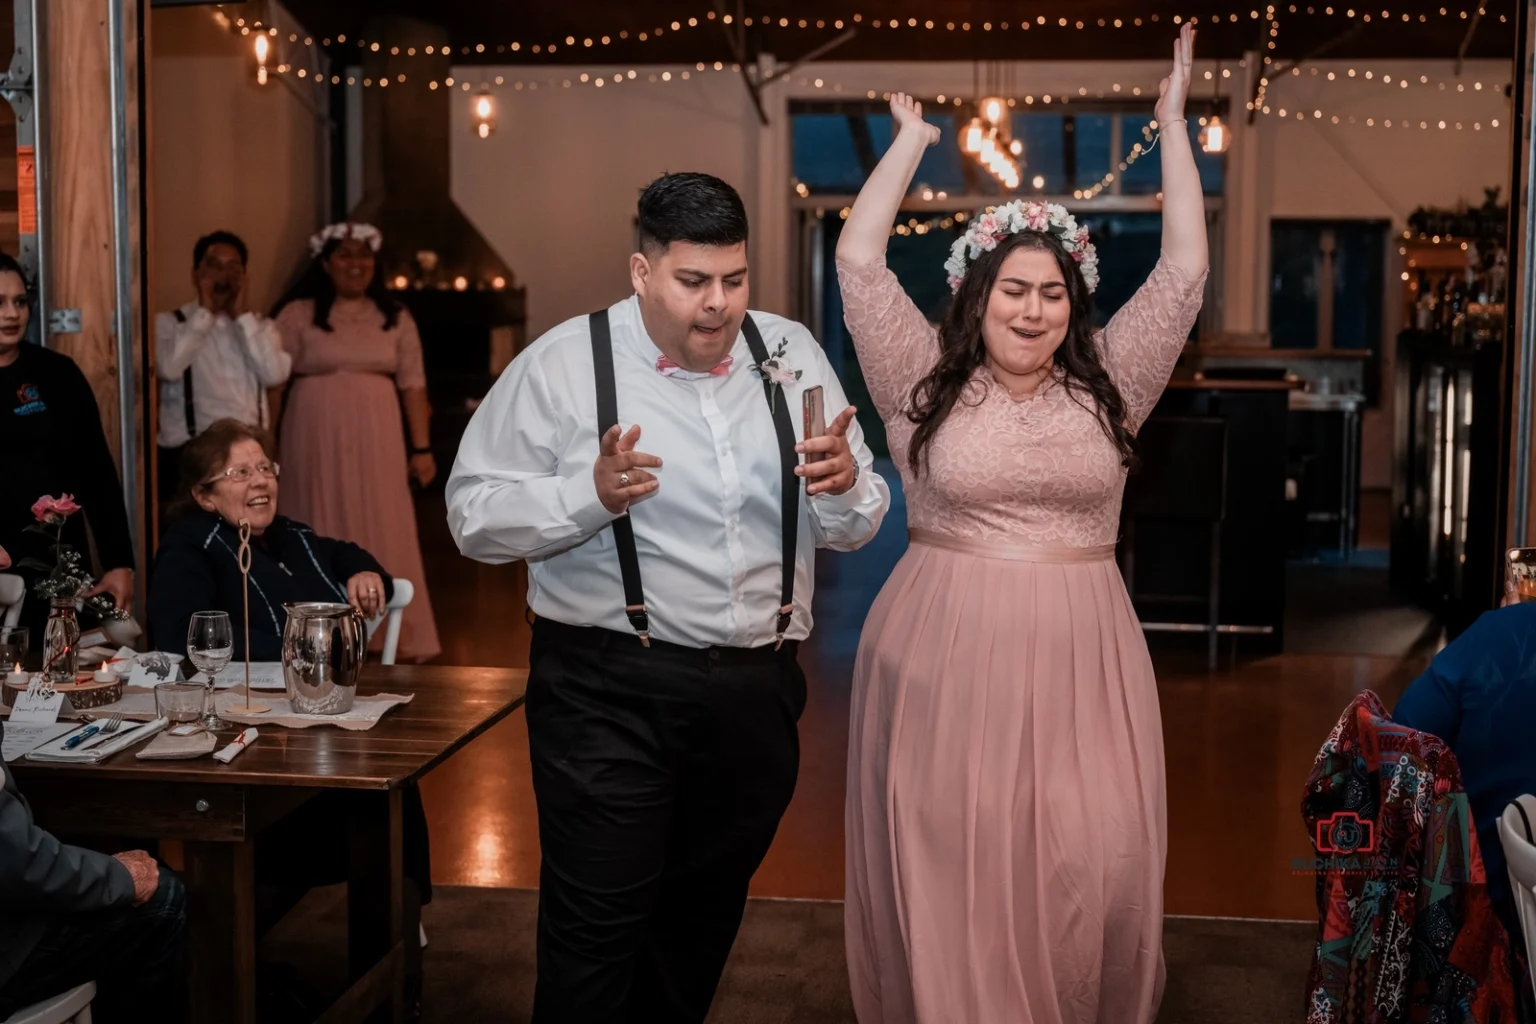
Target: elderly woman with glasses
<point x="227" y="475"/>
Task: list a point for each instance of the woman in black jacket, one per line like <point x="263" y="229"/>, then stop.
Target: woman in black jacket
<point x="227" y="476"/>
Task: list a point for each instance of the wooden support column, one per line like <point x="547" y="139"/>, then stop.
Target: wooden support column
<point x="83" y="264"/>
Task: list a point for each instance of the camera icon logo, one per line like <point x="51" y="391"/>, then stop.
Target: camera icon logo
<point x="1345" y="832"/>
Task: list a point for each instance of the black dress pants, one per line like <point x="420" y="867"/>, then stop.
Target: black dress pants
<point x="133" y="954"/>
<point x="661" y="774"/>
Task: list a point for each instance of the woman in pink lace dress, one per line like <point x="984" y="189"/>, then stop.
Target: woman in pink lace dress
<point x="356" y="363"/>
<point x="1006" y="823"/>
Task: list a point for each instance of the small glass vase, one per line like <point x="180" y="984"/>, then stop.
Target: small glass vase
<point x="61" y="642"/>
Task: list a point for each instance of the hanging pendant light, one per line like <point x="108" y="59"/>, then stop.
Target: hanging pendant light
<point x="1215" y="136"/>
<point x="263" y="49"/>
<point x="483" y="112"/>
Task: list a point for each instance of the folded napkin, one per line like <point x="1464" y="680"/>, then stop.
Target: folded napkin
<point x="365" y="714"/>
<point x="91" y="752"/>
<point x="168" y="748"/>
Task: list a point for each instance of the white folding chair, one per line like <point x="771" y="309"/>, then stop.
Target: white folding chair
<point x="13" y="594"/>
<point x="1517" y="834"/>
<point x="404" y="592"/>
<point x="72" y="1007"/>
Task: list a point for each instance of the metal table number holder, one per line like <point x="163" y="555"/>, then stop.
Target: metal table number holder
<point x="245" y="600"/>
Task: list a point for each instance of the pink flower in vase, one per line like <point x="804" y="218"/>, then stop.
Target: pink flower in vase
<point x="47" y="507"/>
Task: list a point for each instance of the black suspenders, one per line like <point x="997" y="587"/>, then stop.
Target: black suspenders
<point x="623" y="528"/>
<point x="186" y="389"/>
<point x="190" y="410"/>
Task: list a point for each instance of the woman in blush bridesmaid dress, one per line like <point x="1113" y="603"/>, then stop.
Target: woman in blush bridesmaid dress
<point x="356" y="362"/>
<point x="1006" y="821"/>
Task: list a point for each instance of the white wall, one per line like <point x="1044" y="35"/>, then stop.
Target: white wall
<point x="1314" y="168"/>
<point x="554" y="188"/>
<point x="226" y="153"/>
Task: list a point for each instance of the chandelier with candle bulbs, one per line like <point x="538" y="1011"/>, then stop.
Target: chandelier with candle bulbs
<point x="988" y="139"/>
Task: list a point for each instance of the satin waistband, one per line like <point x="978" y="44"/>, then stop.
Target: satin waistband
<point x="992" y="549"/>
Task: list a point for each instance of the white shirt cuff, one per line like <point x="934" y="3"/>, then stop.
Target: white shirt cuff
<point x="249" y="323"/>
<point x="579" y="496"/>
<point x="849" y="499"/>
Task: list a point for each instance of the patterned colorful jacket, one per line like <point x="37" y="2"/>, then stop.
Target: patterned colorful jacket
<point x="1406" y="930"/>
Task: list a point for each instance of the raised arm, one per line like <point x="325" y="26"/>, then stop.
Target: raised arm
<point x="895" y="343"/>
<point x="1142" y="342"/>
<point x="1184" y="241"/>
<point x="869" y="222"/>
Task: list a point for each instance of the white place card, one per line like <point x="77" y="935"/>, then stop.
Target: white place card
<point x="265" y="675"/>
<point x="153" y="668"/>
<point x="37" y="707"/>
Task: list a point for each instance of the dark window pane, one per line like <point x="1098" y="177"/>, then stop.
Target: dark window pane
<point x="1043" y="155"/>
<point x="1128" y="245"/>
<point x="1145" y="176"/>
<point x="1358" y="276"/>
<point x="1093" y="156"/>
<point x="1295" y="255"/>
<point x="824" y="155"/>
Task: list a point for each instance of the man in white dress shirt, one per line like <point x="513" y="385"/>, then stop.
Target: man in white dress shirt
<point x="641" y="463"/>
<point x="214" y="357"/>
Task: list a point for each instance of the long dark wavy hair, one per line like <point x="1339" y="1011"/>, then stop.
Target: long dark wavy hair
<point x="962" y="350"/>
<point x="316" y="284"/>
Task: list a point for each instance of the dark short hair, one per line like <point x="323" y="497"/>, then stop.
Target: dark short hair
<point x="205" y="454"/>
<point x="9" y="264"/>
<point x="697" y="208"/>
<point x="212" y="239"/>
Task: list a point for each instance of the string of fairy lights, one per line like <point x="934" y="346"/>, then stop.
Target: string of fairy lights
<point x="911" y="23"/>
<point x="1214" y="136"/>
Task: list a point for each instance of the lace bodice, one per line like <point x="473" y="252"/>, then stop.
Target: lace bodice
<point x="1037" y="472"/>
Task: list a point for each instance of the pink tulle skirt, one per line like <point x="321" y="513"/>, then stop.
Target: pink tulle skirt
<point x="1006" y="819"/>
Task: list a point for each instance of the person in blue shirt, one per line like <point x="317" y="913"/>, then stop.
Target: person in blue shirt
<point x="1479" y="696"/>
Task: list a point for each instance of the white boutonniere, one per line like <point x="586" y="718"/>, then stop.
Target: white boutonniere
<point x="774" y="372"/>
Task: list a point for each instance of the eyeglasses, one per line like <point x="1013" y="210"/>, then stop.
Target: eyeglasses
<point x="240" y="474"/>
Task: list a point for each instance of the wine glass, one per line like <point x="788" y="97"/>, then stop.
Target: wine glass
<point x="211" y="645"/>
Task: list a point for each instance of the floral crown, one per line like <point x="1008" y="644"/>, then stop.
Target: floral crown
<point x="346" y="229"/>
<point x="998" y="222"/>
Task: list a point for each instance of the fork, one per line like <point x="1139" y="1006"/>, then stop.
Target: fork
<point x="110" y="726"/>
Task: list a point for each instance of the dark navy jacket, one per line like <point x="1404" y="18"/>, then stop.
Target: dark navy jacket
<point x="197" y="569"/>
<point x="1479" y="696"/>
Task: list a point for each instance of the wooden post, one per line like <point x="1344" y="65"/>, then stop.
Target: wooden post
<point x="79" y="190"/>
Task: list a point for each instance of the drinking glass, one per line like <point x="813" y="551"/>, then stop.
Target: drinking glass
<point x="13" y="648"/>
<point x="1521" y="568"/>
<point x="210" y="646"/>
<point x="180" y="703"/>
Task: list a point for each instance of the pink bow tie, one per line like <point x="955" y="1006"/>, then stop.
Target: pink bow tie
<point x="667" y="367"/>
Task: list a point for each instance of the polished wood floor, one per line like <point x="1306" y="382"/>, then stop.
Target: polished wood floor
<point x="1239" y="742"/>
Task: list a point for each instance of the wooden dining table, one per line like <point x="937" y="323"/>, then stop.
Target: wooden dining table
<point x="216" y="810"/>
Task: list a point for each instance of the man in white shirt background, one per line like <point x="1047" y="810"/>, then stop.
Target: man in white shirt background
<point x="215" y="357"/>
<point x="643" y="465"/>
